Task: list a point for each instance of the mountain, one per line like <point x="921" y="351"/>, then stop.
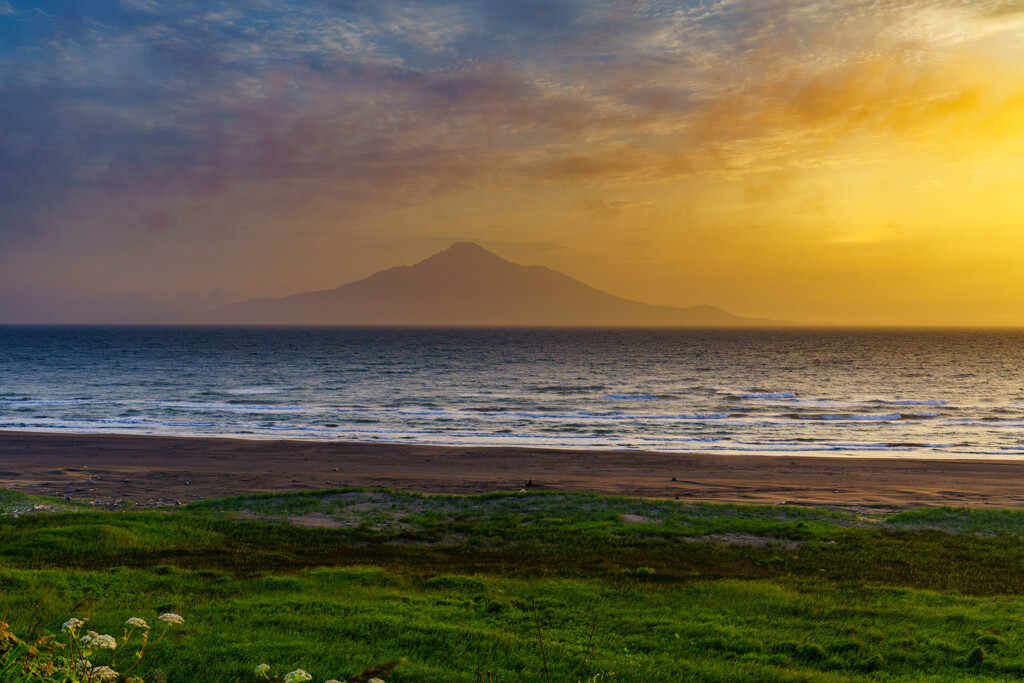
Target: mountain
<point x="467" y="285"/>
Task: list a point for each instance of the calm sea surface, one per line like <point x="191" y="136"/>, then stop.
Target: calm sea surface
<point x="949" y="393"/>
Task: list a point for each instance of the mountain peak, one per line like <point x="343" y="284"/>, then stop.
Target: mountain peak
<point x="467" y="254"/>
<point x="467" y="284"/>
<point x="467" y="250"/>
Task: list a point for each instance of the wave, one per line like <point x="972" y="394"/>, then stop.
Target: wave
<point x="584" y="436"/>
<point x="888" y="417"/>
<point x="635" y="397"/>
<point x="826" y="403"/>
<point x="236" y="407"/>
<point x="760" y="394"/>
<point x="691" y="416"/>
<point x="252" y="391"/>
<point x="569" y="389"/>
<point x="909" y="402"/>
<point x="489" y="413"/>
<point x="990" y="421"/>
<point x="45" y="402"/>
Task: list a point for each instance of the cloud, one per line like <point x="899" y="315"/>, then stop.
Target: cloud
<point x="382" y="104"/>
<point x="604" y="207"/>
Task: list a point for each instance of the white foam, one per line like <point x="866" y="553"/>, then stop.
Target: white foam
<point x="235" y="408"/>
<point x="45" y="402"/>
<point x="252" y="391"/>
<point x="857" y="418"/>
<point x="633" y="397"/>
<point x="825" y="403"/>
<point x="688" y="417"/>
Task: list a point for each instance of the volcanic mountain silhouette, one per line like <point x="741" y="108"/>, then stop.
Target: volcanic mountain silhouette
<point x="467" y="285"/>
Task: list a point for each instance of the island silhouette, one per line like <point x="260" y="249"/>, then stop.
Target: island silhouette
<point x="467" y="285"/>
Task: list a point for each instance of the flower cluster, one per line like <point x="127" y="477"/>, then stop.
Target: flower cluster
<point x="100" y="642"/>
<point x="81" y="655"/>
<point x="104" y="673"/>
<point x="297" y="676"/>
<point x="73" y="624"/>
<point x="170" y="618"/>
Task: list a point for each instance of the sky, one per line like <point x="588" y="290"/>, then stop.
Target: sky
<point x="856" y="162"/>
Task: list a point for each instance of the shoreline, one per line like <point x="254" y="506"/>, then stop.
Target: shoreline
<point x="152" y="471"/>
<point x="894" y="452"/>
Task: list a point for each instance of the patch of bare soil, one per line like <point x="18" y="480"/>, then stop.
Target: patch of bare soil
<point x="747" y="540"/>
<point x="636" y="519"/>
<point x="316" y="520"/>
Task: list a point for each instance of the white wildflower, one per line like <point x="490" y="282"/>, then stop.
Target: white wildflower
<point x="72" y="624"/>
<point x="88" y="637"/>
<point x="104" y="673"/>
<point x="333" y="680"/>
<point x="104" y="642"/>
<point x="83" y="664"/>
<point x="261" y="670"/>
<point x="171" y="618"/>
<point x="375" y="680"/>
<point x="297" y="676"/>
<point x="135" y="622"/>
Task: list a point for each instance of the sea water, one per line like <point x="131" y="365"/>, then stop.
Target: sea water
<point x="898" y="393"/>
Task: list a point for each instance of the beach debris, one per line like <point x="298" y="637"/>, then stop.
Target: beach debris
<point x="674" y="479"/>
<point x="529" y="483"/>
<point x="335" y="469"/>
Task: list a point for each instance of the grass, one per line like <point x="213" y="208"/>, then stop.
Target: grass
<point x="18" y="503"/>
<point x="962" y="520"/>
<point x="678" y="591"/>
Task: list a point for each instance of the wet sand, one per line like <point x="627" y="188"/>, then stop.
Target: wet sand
<point x="157" y="470"/>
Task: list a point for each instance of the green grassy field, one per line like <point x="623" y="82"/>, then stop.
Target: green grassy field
<point x="631" y="590"/>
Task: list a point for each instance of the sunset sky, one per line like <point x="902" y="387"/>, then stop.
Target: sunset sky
<point x="857" y="162"/>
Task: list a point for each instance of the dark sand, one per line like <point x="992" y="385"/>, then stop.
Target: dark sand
<point x="156" y="470"/>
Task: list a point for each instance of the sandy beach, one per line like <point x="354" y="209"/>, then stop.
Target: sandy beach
<point x="158" y="470"/>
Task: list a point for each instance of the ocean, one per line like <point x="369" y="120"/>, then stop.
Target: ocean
<point x="869" y="393"/>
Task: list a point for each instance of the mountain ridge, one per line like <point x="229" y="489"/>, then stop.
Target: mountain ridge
<point x="468" y="285"/>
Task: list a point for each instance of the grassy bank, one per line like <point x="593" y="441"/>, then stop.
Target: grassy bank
<point x="338" y="581"/>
